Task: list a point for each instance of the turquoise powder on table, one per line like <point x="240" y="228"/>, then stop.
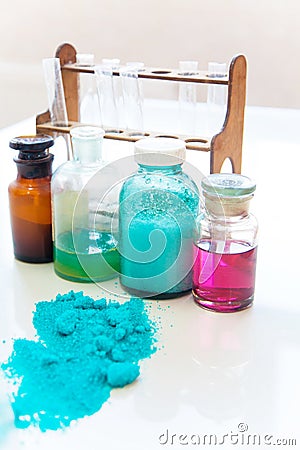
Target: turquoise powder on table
<point x="85" y="348"/>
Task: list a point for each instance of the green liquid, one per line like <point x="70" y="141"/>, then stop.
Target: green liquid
<point x="86" y="256"/>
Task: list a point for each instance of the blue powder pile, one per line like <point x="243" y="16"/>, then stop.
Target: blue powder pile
<point x="85" y="348"/>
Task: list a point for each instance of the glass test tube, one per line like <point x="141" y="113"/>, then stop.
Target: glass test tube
<point x="89" y="112"/>
<point x="133" y="97"/>
<point x="187" y="98"/>
<point x="56" y="98"/>
<point x="55" y="91"/>
<point x="108" y="103"/>
<point x="114" y="63"/>
<point x="216" y="98"/>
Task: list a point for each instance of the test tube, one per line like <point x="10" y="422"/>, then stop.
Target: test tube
<point x="55" y="91"/>
<point x="56" y="98"/>
<point x="85" y="59"/>
<point x="88" y="97"/>
<point x="133" y="97"/>
<point x="187" y="98"/>
<point x="140" y="66"/>
<point x="216" y="98"/>
<point x="107" y="97"/>
<point x="114" y="63"/>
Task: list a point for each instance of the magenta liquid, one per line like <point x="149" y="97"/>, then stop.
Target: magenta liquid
<point x="224" y="275"/>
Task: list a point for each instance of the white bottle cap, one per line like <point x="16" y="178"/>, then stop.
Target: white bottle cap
<point x="160" y="151"/>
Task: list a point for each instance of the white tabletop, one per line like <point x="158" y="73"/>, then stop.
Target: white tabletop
<point x="214" y="373"/>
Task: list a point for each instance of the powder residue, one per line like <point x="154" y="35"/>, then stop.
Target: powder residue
<point x="84" y="348"/>
<point x="6" y="416"/>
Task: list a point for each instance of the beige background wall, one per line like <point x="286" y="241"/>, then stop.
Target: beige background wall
<point x="158" y="32"/>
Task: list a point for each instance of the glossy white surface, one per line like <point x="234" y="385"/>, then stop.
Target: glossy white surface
<point x="212" y="371"/>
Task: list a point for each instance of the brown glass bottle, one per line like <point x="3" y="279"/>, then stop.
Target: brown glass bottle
<point x="30" y="199"/>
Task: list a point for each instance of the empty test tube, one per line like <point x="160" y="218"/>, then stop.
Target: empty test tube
<point x="216" y="98"/>
<point x="85" y="59"/>
<point x="56" y="98"/>
<point x="107" y="97"/>
<point x="55" y="91"/>
<point x="187" y="98"/>
<point x="133" y="97"/>
<point x="88" y="97"/>
<point x="114" y="63"/>
<point x="140" y="66"/>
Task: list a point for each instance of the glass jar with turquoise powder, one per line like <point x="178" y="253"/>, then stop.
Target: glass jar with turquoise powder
<point x="84" y="243"/>
<point x="157" y="212"/>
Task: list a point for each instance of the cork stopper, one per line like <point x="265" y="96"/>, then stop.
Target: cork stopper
<point x="227" y="194"/>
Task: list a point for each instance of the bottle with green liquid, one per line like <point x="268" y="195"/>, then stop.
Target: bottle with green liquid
<point x="85" y="247"/>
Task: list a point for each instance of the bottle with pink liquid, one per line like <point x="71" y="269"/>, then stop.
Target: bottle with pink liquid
<point x="225" y="245"/>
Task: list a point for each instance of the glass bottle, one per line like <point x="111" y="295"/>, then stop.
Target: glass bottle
<point x="158" y="207"/>
<point x="84" y="246"/>
<point x="225" y="245"/>
<point x="30" y="199"/>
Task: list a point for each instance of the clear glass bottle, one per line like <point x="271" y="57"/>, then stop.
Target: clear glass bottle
<point x="158" y="207"/>
<point x="84" y="246"/>
<point x="225" y="245"/>
<point x="30" y="199"/>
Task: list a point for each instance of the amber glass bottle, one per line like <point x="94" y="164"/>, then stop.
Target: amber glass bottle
<point x="30" y="199"/>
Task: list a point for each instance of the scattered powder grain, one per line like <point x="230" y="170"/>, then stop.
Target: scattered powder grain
<point x="84" y="348"/>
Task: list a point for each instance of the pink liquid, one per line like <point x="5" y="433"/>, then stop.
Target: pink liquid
<point x="224" y="275"/>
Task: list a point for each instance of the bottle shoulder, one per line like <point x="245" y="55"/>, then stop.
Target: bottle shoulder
<point x="164" y="194"/>
<point x="21" y="184"/>
<point x="70" y="167"/>
<point x="242" y="230"/>
<point x="175" y="183"/>
<point x="233" y="222"/>
<point x="74" y="175"/>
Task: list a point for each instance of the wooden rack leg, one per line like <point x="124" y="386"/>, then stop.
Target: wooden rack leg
<point x="228" y="143"/>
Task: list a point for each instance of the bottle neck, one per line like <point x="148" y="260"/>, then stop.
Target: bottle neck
<point x="165" y="170"/>
<point x="87" y="151"/>
<point x="34" y="169"/>
<point x="232" y="208"/>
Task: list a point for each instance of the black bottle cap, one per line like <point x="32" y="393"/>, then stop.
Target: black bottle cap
<point x="32" y="147"/>
<point x="34" y="159"/>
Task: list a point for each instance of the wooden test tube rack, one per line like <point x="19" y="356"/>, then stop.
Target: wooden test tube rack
<point x="225" y="144"/>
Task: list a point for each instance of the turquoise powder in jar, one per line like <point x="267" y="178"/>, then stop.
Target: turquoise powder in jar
<point x="158" y="208"/>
